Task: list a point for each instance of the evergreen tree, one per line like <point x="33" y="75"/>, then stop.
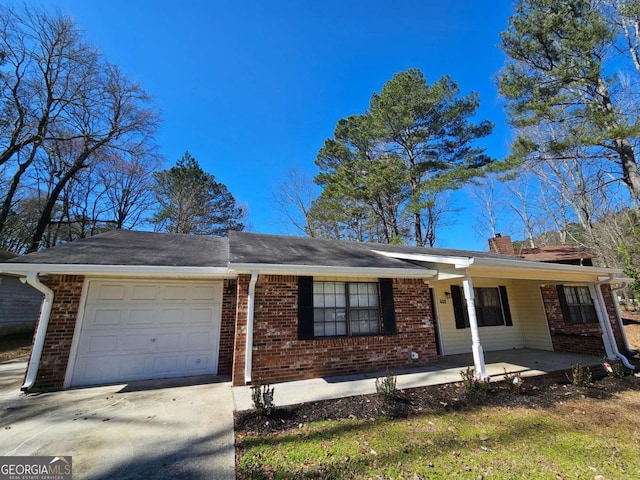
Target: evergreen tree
<point x="567" y="73"/>
<point x="392" y="162"/>
<point x="191" y="201"/>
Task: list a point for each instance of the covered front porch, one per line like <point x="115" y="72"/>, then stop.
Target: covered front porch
<point x="526" y="361"/>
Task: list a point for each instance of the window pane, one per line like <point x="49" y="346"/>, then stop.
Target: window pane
<point x="330" y="329"/>
<point x="318" y="294"/>
<point x="493" y="316"/>
<point x="363" y="294"/>
<point x="329" y="322"/>
<point x="331" y="314"/>
<point x="589" y="314"/>
<point x="571" y="295"/>
<point x="490" y="297"/>
<point x="580" y="305"/>
<point x="488" y="307"/>
<point x="365" y="322"/>
<point x="584" y="295"/>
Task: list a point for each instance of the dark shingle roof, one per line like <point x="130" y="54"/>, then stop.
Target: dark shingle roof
<point x="6" y="255"/>
<point x="126" y="247"/>
<point x="285" y="250"/>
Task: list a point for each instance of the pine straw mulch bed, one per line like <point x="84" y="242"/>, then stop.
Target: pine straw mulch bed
<point x="538" y="392"/>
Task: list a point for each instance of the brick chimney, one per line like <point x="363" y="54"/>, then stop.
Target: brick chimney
<point x="502" y="245"/>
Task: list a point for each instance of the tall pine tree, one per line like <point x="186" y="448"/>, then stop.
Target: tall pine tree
<point x="191" y="201"/>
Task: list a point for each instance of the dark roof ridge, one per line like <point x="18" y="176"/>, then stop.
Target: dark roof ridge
<point x="391" y="248"/>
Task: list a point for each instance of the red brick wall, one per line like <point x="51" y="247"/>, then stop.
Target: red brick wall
<point x="227" y="327"/>
<point x="67" y="290"/>
<point x="570" y="338"/>
<point x="502" y="245"/>
<point x="279" y="356"/>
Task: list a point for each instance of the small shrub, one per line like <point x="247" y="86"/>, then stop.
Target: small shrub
<point x="472" y="383"/>
<point x="615" y="369"/>
<point x="262" y="397"/>
<point x="514" y="382"/>
<point x="386" y="386"/>
<point x="580" y="375"/>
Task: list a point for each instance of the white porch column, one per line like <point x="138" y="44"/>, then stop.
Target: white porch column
<point x="608" y="338"/>
<point x="476" y="347"/>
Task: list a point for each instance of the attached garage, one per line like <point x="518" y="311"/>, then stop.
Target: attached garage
<point x="145" y="329"/>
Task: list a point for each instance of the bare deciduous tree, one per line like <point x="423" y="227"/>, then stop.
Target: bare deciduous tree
<point x="294" y="199"/>
<point x="64" y="103"/>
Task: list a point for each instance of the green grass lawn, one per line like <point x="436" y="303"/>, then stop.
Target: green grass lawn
<point x="576" y="439"/>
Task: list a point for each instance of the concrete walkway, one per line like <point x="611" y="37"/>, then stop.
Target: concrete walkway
<point x="527" y="361"/>
<point x="161" y="429"/>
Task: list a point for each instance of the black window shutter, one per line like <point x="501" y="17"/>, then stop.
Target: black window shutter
<point x="388" y="308"/>
<point x="563" y="303"/>
<point x="305" y="308"/>
<point x="458" y="306"/>
<point x="508" y="321"/>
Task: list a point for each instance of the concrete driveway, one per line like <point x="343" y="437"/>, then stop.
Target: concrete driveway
<point x="165" y="429"/>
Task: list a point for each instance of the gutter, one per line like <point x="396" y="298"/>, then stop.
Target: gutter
<point x="41" y="332"/>
<point x="102" y="270"/>
<point x="248" y="349"/>
<point x="283" y="269"/>
<point x="551" y="267"/>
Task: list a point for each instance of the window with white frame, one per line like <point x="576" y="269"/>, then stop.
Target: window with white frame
<point x="491" y="306"/>
<point x="345" y="309"/>
<point x="577" y="304"/>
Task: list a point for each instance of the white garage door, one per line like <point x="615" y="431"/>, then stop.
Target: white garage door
<point x="138" y="330"/>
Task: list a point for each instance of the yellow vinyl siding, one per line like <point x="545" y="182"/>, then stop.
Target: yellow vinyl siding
<point x="456" y="341"/>
<point x="528" y="307"/>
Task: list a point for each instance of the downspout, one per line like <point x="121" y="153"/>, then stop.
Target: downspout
<point x="605" y="323"/>
<point x="41" y="332"/>
<point x="616" y="306"/>
<point x="248" y="353"/>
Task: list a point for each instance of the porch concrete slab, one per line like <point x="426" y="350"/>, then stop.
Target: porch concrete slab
<point x="447" y="370"/>
<point x="527" y="360"/>
<point x="165" y="429"/>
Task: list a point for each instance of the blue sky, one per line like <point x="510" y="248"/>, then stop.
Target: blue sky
<point x="253" y="88"/>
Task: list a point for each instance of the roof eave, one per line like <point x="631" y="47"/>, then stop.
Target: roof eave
<point x="283" y="269"/>
<point x="128" y="270"/>
<point x="550" y="271"/>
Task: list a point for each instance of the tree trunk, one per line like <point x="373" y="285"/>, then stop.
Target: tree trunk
<point x="6" y="206"/>
<point x="623" y="148"/>
<point x="630" y="173"/>
<point x="45" y="216"/>
<point x="8" y="199"/>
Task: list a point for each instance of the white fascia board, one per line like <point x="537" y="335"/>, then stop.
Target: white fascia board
<point x="112" y="270"/>
<point x="457" y="262"/>
<point x="280" y="269"/>
<point x="504" y="265"/>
